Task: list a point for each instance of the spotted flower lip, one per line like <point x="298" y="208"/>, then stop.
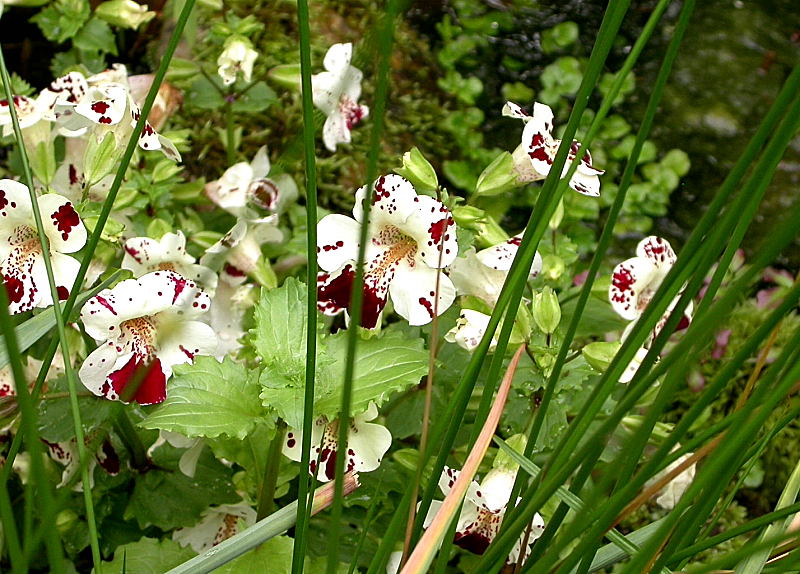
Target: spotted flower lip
<point x="21" y="253"/>
<point x="483" y="273"/>
<point x="535" y="155"/>
<point x="144" y="255"/>
<point x="144" y="328"/>
<point x="366" y="444"/>
<point x="483" y="511"/>
<point x="635" y="281"/>
<point x="410" y="238"/>
<point x="29" y="112"/>
<point x="469" y="330"/>
<point x="336" y="92"/>
<point x="218" y="523"/>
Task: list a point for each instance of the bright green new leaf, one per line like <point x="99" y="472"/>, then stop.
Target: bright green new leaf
<point x="272" y="557"/>
<point x="210" y="399"/>
<point x="100" y="158"/>
<point x="148" y="556"/>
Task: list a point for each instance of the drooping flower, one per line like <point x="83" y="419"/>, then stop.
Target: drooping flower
<point x="469" y="330"/>
<point x="144" y="255"/>
<point x="635" y="281"/>
<point x="29" y="112"/>
<point x="535" y="155"/>
<point x="410" y="238"/>
<point x="672" y="492"/>
<point x="336" y="92"/>
<point x="245" y="190"/>
<point x="483" y="511"/>
<point x="483" y="274"/>
<point x="217" y="523"/>
<point x="238" y="56"/>
<point x="145" y="327"/>
<point x="21" y="253"/>
<point x="66" y="454"/>
<point x="366" y="444"/>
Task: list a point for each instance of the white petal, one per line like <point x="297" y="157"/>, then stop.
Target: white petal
<point x="366" y="445"/>
<point x="338" y="57"/>
<point x="337" y="241"/>
<point x="293" y="443"/>
<point x="658" y="251"/>
<point x="15" y="203"/>
<point x="434" y="230"/>
<point x="413" y="294"/>
<point x="260" y="165"/>
<point x="183" y="341"/>
<point x="62" y="224"/>
<point x="496" y="488"/>
<point x="335" y="131"/>
<point x="512" y="110"/>
<point x="632" y="283"/>
<point x="394" y="200"/>
<point x="104" y="105"/>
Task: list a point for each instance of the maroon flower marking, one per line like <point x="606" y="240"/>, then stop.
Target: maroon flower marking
<point x="138" y="381"/>
<point x="65" y="219"/>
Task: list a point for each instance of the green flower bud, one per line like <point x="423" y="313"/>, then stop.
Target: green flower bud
<point x="600" y="354"/>
<point x="124" y="13"/>
<point x="489" y="233"/>
<point x="419" y="172"/>
<point x="408" y="458"/>
<point x="553" y="266"/>
<point x="65" y="520"/>
<point x="557" y="216"/>
<point x="498" y="177"/>
<point x="286" y="75"/>
<point x="468" y="217"/>
<point x="503" y="460"/>
<point x="546" y="310"/>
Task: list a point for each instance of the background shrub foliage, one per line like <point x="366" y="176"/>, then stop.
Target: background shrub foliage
<point x="588" y="447"/>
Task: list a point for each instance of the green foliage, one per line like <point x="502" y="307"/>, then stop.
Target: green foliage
<point x="148" y="556"/>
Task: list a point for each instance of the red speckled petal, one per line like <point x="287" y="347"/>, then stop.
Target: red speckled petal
<point x="414" y="293"/>
<point x="104" y="105"/>
<point x="434" y="230"/>
<point x="658" y="251"/>
<point x="15" y="204"/>
<point x="337" y="241"/>
<point x="63" y="225"/>
<point x="630" y="280"/>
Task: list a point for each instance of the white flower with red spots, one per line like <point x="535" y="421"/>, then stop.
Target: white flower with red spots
<point x="144" y="255"/>
<point x="635" y="281"/>
<point x="469" y="330"/>
<point x="218" y="523"/>
<point x="483" y="511"/>
<point x="21" y="253"/>
<point x="366" y="444"/>
<point x="100" y="106"/>
<point x="244" y="189"/>
<point x="336" y="92"/>
<point x="29" y="113"/>
<point x="535" y="155"/>
<point x="483" y="274"/>
<point x="144" y="326"/>
<point x="410" y="239"/>
<point x="237" y="58"/>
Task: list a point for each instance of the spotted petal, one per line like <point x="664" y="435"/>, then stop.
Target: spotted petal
<point x="394" y="200"/>
<point x="68" y="89"/>
<point x="656" y="250"/>
<point x="183" y="341"/>
<point x="62" y="224"/>
<point x="338" y="57"/>
<point x="434" y="230"/>
<point x="632" y="285"/>
<point x="27" y="113"/>
<point x="414" y="293"/>
<point x="15" y="203"/>
<point x="500" y="257"/>
<point x="337" y="241"/>
<point x="104" y="105"/>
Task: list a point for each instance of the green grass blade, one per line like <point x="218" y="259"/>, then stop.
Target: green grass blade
<point x="309" y="146"/>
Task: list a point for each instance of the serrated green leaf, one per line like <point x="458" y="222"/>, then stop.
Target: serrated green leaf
<point x="62" y="19"/>
<point x="382" y="366"/>
<point x="96" y="35"/>
<point x="209" y="399"/>
<point x="55" y="415"/>
<point x="148" y="556"/>
<point x="255" y="99"/>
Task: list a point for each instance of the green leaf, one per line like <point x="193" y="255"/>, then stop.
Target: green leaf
<point x="272" y="557"/>
<point x="256" y="98"/>
<point x="382" y="366"/>
<point x="205" y="95"/>
<point x="55" y="415"/>
<point x="96" y="35"/>
<point x="62" y="19"/>
<point x="148" y="556"/>
<point x="100" y="158"/>
<point x="209" y="399"/>
<point x="169" y="499"/>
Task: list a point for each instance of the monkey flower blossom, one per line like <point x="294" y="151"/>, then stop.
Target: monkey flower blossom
<point x="483" y="511"/>
<point x="483" y="274"/>
<point x="469" y="330"/>
<point x="336" y="92"/>
<point x="145" y="328"/>
<point x="21" y="253"/>
<point x="535" y="155"/>
<point x="410" y="239"/>
<point x="366" y="444"/>
<point x="144" y="255"/>
<point x="238" y="56"/>
<point x="636" y="280"/>
<point x="217" y="523"/>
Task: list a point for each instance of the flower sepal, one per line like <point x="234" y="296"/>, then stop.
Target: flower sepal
<point x="499" y="176"/>
<point x="600" y="354"/>
<point x="286" y="76"/>
<point x="546" y="310"/>
<point x="503" y="460"/>
<point x="418" y="170"/>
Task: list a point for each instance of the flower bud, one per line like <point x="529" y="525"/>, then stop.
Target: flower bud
<point x="419" y="172"/>
<point x="469" y="217"/>
<point x="65" y="520"/>
<point x="546" y="310"/>
<point x="286" y="76"/>
<point x="498" y="177"/>
<point x="600" y="354"/>
<point x="558" y="215"/>
<point x="238" y="56"/>
<point x="469" y="330"/>
<point x="553" y="266"/>
<point x="489" y="233"/>
<point x="124" y="13"/>
<point x="503" y="460"/>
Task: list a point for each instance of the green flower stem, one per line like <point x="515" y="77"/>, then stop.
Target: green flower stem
<point x="266" y="494"/>
<point x="129" y="436"/>
<point x="304" y="493"/>
<point x="230" y="149"/>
